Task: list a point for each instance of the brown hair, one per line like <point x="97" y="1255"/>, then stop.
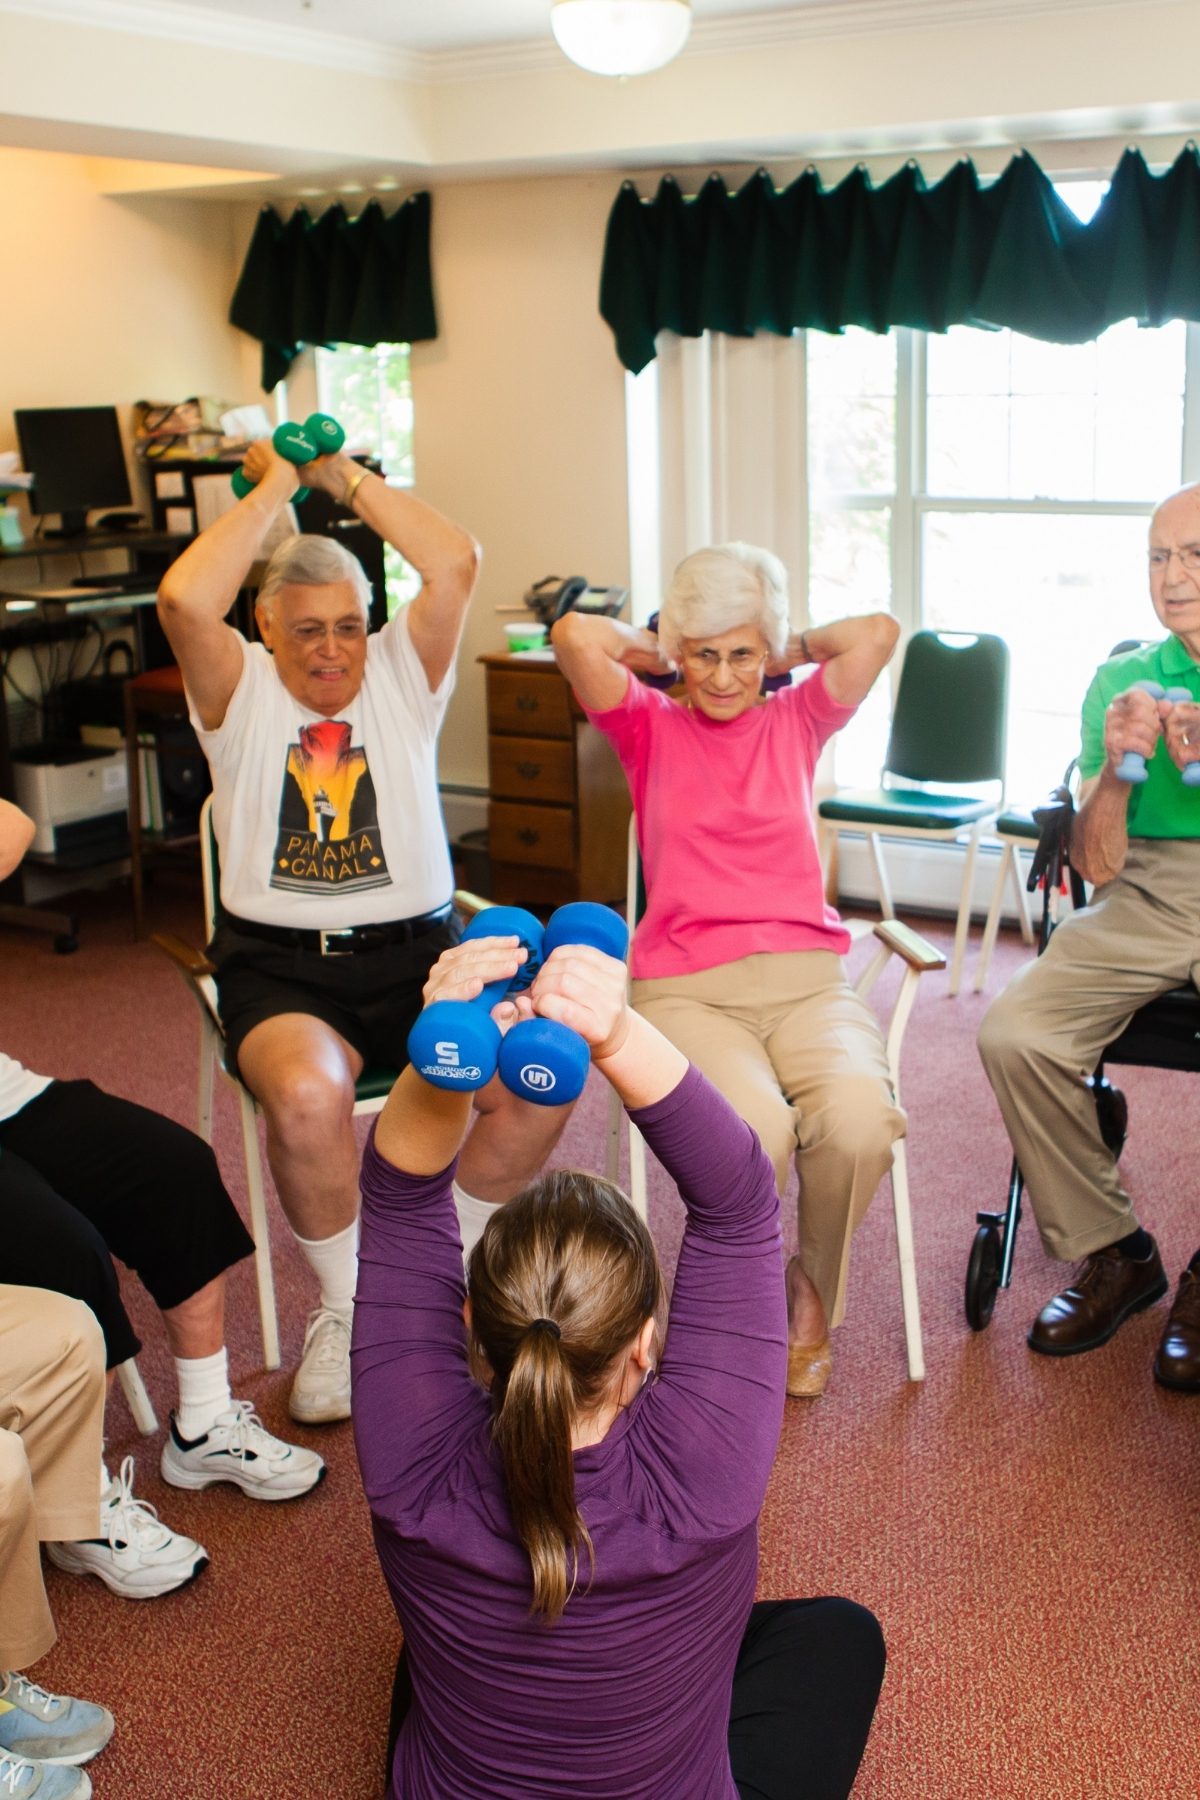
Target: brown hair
<point x="561" y="1282"/>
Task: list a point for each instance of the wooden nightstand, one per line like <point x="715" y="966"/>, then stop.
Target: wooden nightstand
<point x="558" y="806"/>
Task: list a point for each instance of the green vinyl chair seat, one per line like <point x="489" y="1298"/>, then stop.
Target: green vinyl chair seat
<point x="375" y="1083"/>
<point x="1015" y="823"/>
<point x="903" y="808"/>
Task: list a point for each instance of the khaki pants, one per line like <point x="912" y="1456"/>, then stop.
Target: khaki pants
<point x="799" y="1056"/>
<point x="1043" y="1036"/>
<point x="51" y="1421"/>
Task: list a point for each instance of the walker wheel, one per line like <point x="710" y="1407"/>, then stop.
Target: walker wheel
<point x="983" y="1277"/>
<point x="1112" y="1114"/>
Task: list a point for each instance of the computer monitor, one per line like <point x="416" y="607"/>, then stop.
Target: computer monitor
<point x="74" y="454"/>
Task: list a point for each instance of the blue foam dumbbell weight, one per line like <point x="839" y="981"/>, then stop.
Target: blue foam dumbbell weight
<point x="540" y="1059"/>
<point x="1132" y="766"/>
<point x="456" y="1043"/>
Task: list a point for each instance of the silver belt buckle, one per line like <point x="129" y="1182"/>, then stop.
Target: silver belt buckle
<point x="329" y="946"/>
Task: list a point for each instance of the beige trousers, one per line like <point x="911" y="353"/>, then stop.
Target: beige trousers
<point x="799" y="1056"/>
<point x="51" y="1424"/>
<point x="1043" y="1036"/>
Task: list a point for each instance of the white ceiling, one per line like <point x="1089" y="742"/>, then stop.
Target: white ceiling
<point x="413" y="25"/>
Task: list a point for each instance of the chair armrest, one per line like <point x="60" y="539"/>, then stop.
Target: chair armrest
<point x="916" y="951"/>
<point x="469" y="904"/>
<point x="191" y="962"/>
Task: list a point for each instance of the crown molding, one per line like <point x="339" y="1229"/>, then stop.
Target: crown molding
<point x="229" y="31"/>
<point x="222" y="30"/>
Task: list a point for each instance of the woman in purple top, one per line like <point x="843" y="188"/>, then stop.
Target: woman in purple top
<point x="566" y="1510"/>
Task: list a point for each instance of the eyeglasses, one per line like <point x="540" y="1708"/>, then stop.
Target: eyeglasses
<point x="707" y="661"/>
<point x="1189" y="559"/>
<point x="346" y="631"/>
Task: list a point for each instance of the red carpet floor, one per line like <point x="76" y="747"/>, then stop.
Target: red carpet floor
<point x="1025" y="1529"/>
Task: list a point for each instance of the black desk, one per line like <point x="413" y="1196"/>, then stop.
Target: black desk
<point x="149" y="554"/>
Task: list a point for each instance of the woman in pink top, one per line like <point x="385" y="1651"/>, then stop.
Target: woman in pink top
<point x="737" y="957"/>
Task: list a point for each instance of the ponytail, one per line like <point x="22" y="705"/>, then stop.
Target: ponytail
<point x="532" y="1430"/>
<point x="561" y="1282"/>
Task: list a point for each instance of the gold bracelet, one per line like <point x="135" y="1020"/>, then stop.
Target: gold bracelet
<point x="352" y="487"/>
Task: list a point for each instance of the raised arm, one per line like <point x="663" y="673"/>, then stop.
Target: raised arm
<point x="17" y="831"/>
<point x="199" y="588"/>
<point x="596" y="654"/>
<point x="446" y="557"/>
<point x="854" y="651"/>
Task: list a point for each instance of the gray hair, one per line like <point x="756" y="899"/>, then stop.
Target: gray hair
<point x="310" y="561"/>
<point x="714" y="590"/>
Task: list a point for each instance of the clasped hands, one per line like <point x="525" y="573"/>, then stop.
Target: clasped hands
<point x="327" y="472"/>
<point x="1135" y="721"/>
<point x="577" y="986"/>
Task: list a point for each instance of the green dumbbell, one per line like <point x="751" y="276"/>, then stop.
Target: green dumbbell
<point x="320" y="435"/>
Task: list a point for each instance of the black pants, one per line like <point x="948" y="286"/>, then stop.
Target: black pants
<point x="805" y="1686"/>
<point x="85" y="1177"/>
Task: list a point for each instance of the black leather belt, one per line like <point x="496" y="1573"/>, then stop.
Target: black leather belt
<point x="348" y="940"/>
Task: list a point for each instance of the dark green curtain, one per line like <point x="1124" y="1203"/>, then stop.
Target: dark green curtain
<point x="336" y="280"/>
<point x="1008" y="253"/>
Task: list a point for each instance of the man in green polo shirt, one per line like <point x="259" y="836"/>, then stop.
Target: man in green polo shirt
<point x="1138" y="938"/>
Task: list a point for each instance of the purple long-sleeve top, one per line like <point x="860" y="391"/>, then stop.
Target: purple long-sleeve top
<point x="626" y="1696"/>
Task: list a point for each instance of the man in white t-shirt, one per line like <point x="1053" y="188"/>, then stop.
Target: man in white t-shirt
<point x="335" y="874"/>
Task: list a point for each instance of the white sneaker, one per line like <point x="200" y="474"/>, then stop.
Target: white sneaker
<point x="136" y="1554"/>
<point x="26" y="1779"/>
<point x="237" y="1447"/>
<point x="321" y="1390"/>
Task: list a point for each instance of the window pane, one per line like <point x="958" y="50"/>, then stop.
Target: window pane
<point x="369" y="391"/>
<point x="851" y="412"/>
<point x="1010" y="417"/>
<point x="1061" y="591"/>
<point x="850" y="573"/>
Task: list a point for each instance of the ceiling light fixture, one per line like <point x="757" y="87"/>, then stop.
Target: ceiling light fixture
<point x="621" y="37"/>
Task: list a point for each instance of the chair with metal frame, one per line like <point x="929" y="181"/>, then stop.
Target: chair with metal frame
<point x="1163" y="1034"/>
<point x="370" y="1090"/>
<point x="949" y="730"/>
<point x="918" y="956"/>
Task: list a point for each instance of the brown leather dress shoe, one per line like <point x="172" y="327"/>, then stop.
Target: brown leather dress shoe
<point x="1107" y="1288"/>
<point x="1177" y="1364"/>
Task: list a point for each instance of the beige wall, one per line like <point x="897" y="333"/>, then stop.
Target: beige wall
<point x="519" y="408"/>
<point x="110" y="301"/>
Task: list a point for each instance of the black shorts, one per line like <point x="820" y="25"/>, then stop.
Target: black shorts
<point x="370" y="998"/>
<point x="84" y="1174"/>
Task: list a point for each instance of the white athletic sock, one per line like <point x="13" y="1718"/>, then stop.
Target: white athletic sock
<point x="473" y="1216"/>
<point x="203" y="1392"/>
<point x="334" y="1262"/>
<point x="105" y="1477"/>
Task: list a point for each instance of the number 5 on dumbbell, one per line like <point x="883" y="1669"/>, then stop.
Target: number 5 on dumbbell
<point x="456" y="1043"/>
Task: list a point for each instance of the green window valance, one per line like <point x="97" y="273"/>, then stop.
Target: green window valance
<point x="1008" y="253"/>
<point x="336" y="280"/>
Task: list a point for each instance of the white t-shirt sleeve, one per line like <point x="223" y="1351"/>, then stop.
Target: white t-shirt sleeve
<point x="395" y="646"/>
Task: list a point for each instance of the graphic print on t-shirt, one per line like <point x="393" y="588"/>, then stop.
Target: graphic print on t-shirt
<point x="329" y="836"/>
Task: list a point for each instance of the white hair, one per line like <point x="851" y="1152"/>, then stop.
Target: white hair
<point x="727" y="585"/>
<point x="311" y="561"/>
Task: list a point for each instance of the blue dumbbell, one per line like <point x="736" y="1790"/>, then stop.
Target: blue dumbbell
<point x="1132" y="766"/>
<point x="1190" y="773"/>
<point x="540" y="1059"/>
<point x="456" y="1043"/>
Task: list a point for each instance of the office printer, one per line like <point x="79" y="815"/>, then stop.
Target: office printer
<point x="77" y="797"/>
